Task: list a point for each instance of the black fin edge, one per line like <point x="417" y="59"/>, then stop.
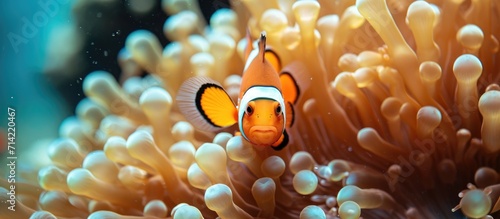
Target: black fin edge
<point x="197" y="101"/>
<point x="293" y="113"/>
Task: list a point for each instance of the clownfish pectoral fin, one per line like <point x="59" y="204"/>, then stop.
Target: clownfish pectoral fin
<point x="291" y="93"/>
<point x="282" y="142"/>
<point x="289" y="87"/>
<point x="205" y="104"/>
<point x="273" y="58"/>
<point x="293" y="78"/>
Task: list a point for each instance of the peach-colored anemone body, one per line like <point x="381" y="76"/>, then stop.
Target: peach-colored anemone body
<point x="399" y="118"/>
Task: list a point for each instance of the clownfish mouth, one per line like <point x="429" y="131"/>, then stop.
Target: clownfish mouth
<point x="263" y="135"/>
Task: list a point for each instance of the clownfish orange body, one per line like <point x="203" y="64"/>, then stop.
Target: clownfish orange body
<point x="265" y="102"/>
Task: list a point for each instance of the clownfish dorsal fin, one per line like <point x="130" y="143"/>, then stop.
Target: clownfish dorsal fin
<point x="205" y="104"/>
<point x="269" y="54"/>
<point x="258" y="71"/>
<point x="262" y="46"/>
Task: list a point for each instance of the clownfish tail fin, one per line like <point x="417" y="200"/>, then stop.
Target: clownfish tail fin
<point x="282" y="142"/>
<point x="205" y="104"/>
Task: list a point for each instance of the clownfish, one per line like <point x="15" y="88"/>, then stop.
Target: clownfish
<point x="265" y="102"/>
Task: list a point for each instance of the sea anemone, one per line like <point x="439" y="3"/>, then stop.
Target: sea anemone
<point x="398" y="118"/>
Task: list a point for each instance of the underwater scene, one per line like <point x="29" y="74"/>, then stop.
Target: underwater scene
<point x="310" y="109"/>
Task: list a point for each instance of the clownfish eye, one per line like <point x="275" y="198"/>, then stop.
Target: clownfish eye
<point x="249" y="110"/>
<point x="277" y="109"/>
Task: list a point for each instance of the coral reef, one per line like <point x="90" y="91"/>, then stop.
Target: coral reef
<point x="398" y="118"/>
